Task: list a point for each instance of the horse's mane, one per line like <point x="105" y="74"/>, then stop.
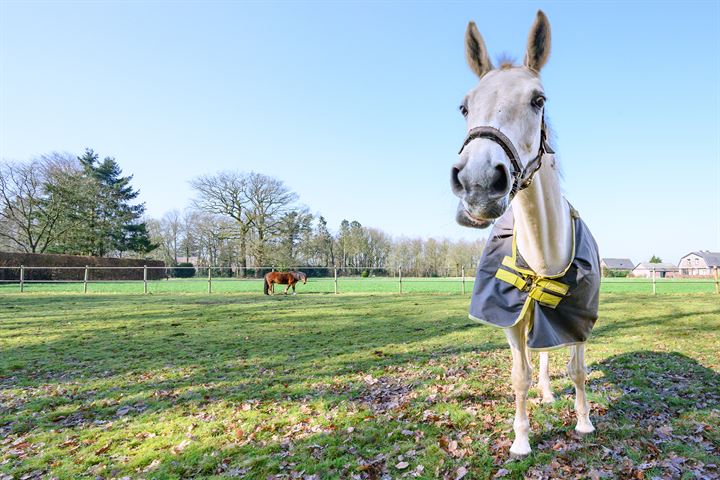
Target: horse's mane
<point x="552" y="136"/>
<point x="505" y="60"/>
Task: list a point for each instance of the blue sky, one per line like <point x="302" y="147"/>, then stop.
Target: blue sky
<point x="354" y="105"/>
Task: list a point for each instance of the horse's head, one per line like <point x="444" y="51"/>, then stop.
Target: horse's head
<point x="504" y="115"/>
<point x="300" y="277"/>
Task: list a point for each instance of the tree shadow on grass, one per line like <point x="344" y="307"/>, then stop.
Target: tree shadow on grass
<point x="144" y="362"/>
<point x="659" y="422"/>
<point x="671" y="323"/>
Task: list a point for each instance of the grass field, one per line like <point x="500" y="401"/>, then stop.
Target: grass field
<point x="351" y="386"/>
<point x="346" y="285"/>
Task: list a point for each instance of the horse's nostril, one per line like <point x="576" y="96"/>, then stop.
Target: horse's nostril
<point x="500" y="181"/>
<point x="455" y="184"/>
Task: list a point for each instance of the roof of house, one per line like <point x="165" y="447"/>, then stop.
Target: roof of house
<point x="712" y="259"/>
<point x="659" y="267"/>
<point x="619" y="263"/>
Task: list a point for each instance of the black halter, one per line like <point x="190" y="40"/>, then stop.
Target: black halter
<point x="522" y="176"/>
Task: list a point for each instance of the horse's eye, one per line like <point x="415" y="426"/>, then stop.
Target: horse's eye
<point x="463" y="110"/>
<point x="538" y="102"/>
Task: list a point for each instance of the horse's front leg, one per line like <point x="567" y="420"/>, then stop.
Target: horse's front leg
<point x="287" y="288"/>
<point x="521" y="379"/>
<point x="293" y="285"/>
<point x="544" y="379"/>
<point x="576" y="371"/>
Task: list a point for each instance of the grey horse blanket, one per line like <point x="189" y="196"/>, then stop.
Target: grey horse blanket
<point x="563" y="308"/>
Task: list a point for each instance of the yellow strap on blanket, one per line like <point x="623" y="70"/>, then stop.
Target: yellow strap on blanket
<point x="511" y="278"/>
<point x="544" y="290"/>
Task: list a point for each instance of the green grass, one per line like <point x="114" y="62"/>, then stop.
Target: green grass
<point x="239" y="384"/>
<point x="345" y="285"/>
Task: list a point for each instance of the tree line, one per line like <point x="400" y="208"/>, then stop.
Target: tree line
<point x="60" y="203"/>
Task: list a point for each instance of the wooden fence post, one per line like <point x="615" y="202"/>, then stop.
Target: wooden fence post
<point x="145" y="279"/>
<point x="462" y="272"/>
<point x="22" y="278"/>
<point x="400" y="277"/>
<point x="209" y="279"/>
<point x="335" y="273"/>
<point x="717" y="285"/>
<point x="85" y="278"/>
<point x="653" y="282"/>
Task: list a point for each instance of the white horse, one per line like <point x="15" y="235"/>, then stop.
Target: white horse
<point x="505" y="119"/>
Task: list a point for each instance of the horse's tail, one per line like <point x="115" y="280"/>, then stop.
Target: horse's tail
<point x="266" y="285"/>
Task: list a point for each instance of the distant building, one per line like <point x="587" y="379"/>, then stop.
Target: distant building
<point x="616" y="264"/>
<point x="699" y="264"/>
<point x="662" y="270"/>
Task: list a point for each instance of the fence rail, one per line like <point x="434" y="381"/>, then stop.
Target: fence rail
<point x="335" y="276"/>
<point x="335" y="279"/>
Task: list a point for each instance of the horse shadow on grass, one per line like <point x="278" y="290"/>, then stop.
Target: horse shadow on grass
<point x="658" y="415"/>
<point x="657" y="387"/>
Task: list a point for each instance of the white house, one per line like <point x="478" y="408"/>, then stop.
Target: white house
<point x="699" y="264"/>
<point x="662" y="270"/>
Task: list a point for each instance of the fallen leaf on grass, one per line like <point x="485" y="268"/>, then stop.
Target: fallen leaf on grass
<point x="68" y="443"/>
<point x="103" y="449"/>
<point x="177" y="449"/>
<point x="153" y="465"/>
<point x="402" y="465"/>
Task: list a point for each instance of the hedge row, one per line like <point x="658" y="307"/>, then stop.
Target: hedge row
<point x="51" y="262"/>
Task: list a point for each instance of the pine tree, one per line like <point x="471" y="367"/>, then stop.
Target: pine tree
<point x="111" y="222"/>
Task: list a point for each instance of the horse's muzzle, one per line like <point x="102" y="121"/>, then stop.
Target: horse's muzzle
<point x="466" y="219"/>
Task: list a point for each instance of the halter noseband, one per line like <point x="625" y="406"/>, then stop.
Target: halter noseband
<point x="522" y="176"/>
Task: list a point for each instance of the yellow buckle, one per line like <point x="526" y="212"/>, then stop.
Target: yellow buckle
<point x="536" y="286"/>
<point x="544" y="298"/>
<point x="552" y="285"/>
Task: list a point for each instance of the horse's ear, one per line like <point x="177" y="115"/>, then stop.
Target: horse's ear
<point x="476" y="52"/>
<point x="538" y="47"/>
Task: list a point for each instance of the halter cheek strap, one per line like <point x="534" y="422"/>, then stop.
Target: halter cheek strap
<point x="522" y="176"/>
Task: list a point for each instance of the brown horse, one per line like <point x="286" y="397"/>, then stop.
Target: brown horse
<point x="283" y="278"/>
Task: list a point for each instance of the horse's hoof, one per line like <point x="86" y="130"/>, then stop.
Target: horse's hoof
<point x="520" y="449"/>
<point x="548" y="398"/>
<point x="294" y="293"/>
<point x="521" y="454"/>
<point x="584" y="429"/>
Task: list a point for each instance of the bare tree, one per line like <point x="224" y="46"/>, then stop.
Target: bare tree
<point x="171" y="225"/>
<point x="189" y="242"/>
<point x="35" y="201"/>
<point x="269" y="200"/>
<point x="255" y="201"/>
<point x="225" y="193"/>
<point x="168" y="233"/>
